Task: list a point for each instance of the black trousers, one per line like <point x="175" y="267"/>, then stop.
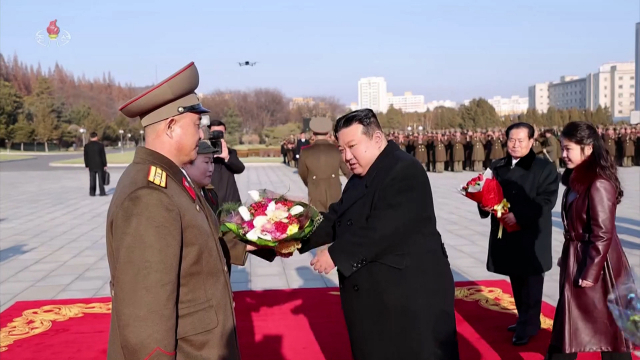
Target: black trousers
<point x="527" y="293"/>
<point x="92" y="182"/>
<point x="554" y="354"/>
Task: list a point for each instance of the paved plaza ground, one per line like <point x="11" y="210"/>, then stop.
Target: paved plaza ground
<point x="52" y="234"/>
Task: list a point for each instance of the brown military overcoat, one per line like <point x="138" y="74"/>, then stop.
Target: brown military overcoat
<point x="477" y="152"/>
<point x="610" y="144"/>
<point x="421" y="150"/>
<point x="628" y="145"/>
<point x="171" y="293"/>
<point x="497" y="152"/>
<point x="319" y="168"/>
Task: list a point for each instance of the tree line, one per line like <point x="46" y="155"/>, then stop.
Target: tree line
<point x="480" y="114"/>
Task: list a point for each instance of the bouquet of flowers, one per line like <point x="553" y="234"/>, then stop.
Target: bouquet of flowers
<point x="624" y="303"/>
<point x="271" y="220"/>
<point x="485" y="190"/>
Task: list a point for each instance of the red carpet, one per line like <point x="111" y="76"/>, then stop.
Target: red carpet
<point x="272" y="325"/>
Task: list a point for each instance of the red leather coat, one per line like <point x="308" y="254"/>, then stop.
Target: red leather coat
<point x="592" y="252"/>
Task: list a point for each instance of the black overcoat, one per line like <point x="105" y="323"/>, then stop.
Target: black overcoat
<point x="223" y="178"/>
<point x="531" y="188"/>
<point x="396" y="285"/>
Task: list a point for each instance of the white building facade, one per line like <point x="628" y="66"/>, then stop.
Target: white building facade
<point x="613" y="86"/>
<point x="509" y="106"/>
<point x="407" y="102"/>
<point x="569" y="93"/>
<point x="372" y="94"/>
<point x="539" y="97"/>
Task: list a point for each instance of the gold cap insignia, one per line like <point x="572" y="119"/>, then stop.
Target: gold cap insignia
<point x="157" y="176"/>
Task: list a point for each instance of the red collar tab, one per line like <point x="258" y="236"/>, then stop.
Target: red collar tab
<point x="189" y="188"/>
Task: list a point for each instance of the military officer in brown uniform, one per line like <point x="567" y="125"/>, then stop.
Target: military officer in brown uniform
<point x="320" y="165"/>
<point x="610" y="142"/>
<point x="496" y="140"/>
<point x="477" y="150"/>
<point x="628" y="147"/>
<point x="552" y="148"/>
<point x="170" y="289"/>
<point x="537" y="144"/>
<point x="440" y="151"/>
<point x="421" y="150"/>
<point x="457" y="149"/>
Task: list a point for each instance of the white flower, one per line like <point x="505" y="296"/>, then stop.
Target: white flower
<point x="259" y="221"/>
<point x="296" y="210"/>
<point x="244" y="212"/>
<point x="252" y="235"/>
<point x="255" y="195"/>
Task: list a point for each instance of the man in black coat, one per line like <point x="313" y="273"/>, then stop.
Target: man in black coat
<point x="396" y="285"/>
<point x="302" y="142"/>
<point x="95" y="159"/>
<point x="225" y="167"/>
<point x="530" y="185"/>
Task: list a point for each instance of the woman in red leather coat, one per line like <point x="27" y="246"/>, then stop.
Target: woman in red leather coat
<point x="592" y="260"/>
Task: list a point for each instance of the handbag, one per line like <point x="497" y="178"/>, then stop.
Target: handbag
<point x="107" y="178"/>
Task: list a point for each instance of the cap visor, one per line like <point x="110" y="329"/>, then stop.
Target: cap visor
<point x="198" y="109"/>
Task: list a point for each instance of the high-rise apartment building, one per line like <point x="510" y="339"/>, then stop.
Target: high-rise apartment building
<point x="372" y="94"/>
<point x="613" y="86"/>
<point x="408" y="102"/>
<point x="570" y="92"/>
<point x="539" y="97"/>
<point x="509" y="106"/>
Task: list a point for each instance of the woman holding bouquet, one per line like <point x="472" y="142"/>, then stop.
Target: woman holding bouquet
<point x="592" y="260"/>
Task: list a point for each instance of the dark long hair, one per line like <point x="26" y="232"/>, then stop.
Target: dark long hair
<point x="583" y="134"/>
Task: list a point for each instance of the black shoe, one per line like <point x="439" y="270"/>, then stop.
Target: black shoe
<point x="103" y="194"/>
<point x="520" y="340"/>
<point x="512" y="328"/>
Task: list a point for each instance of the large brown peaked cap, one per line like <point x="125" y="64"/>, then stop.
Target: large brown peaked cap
<point x="173" y="96"/>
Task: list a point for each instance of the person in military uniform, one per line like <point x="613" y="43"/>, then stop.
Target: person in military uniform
<point x="537" y="144"/>
<point x="610" y="142"/>
<point x="169" y="284"/>
<point x="496" y="141"/>
<point x="440" y="151"/>
<point x="320" y="165"/>
<point x="421" y="150"/>
<point x="199" y="171"/>
<point x="552" y="150"/>
<point x="477" y="150"/>
<point x="457" y="143"/>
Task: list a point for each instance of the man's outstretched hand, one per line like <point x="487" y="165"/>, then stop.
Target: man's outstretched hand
<point x="323" y="263"/>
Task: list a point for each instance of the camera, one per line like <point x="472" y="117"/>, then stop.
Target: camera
<point x="215" y="138"/>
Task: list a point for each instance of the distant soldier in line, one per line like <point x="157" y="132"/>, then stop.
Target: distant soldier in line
<point x="421" y="150"/>
<point x="440" y="152"/>
<point x="553" y="148"/>
<point x="610" y="142"/>
<point x="537" y="144"/>
<point x="628" y="147"/>
<point x="457" y="149"/>
<point x="320" y="165"/>
<point x="291" y="149"/>
<point x="496" y="140"/>
<point x="477" y="150"/>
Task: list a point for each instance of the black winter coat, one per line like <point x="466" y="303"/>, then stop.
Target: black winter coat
<point x="95" y="157"/>
<point x="396" y="285"/>
<point x="531" y="188"/>
<point x="223" y="178"/>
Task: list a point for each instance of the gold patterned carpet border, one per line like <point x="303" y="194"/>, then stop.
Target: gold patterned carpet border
<point x="36" y="321"/>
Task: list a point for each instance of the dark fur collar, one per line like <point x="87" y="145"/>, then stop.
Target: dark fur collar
<point x="524" y="162"/>
<point x="581" y="177"/>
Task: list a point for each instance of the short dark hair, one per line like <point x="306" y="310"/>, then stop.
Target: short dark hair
<point x="365" y="117"/>
<point x="215" y="122"/>
<point x="522" y="125"/>
<point x="93" y="135"/>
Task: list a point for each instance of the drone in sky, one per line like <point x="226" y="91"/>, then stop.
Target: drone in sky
<point x="247" y="63"/>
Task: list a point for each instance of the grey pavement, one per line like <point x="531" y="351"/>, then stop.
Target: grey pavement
<point x="40" y="162"/>
<point x="52" y="234"/>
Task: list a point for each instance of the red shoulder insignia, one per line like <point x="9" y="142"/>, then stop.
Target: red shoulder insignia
<point x="189" y="188"/>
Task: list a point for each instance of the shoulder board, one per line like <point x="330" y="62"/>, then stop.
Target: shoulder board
<point x="157" y="176"/>
<point x="209" y="187"/>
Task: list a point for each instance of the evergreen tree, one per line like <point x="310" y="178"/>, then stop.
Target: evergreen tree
<point x="599" y="117"/>
<point x="552" y="118"/>
<point x="233" y="123"/>
<point x="22" y="131"/>
<point x="46" y="112"/>
<point x="11" y="105"/>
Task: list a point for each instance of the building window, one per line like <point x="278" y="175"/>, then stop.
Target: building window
<point x="620" y="95"/>
<point x="633" y="78"/>
<point x="605" y="88"/>
<point x="620" y="78"/>
<point x="620" y="103"/>
<point x="633" y="95"/>
<point x="619" y="111"/>
<point x="619" y="86"/>
<point x="632" y="86"/>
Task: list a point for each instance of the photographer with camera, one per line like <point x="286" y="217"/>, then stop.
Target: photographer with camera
<point x="226" y="164"/>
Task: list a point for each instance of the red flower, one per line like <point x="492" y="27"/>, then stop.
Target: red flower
<point x="280" y="227"/>
<point x="491" y="193"/>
